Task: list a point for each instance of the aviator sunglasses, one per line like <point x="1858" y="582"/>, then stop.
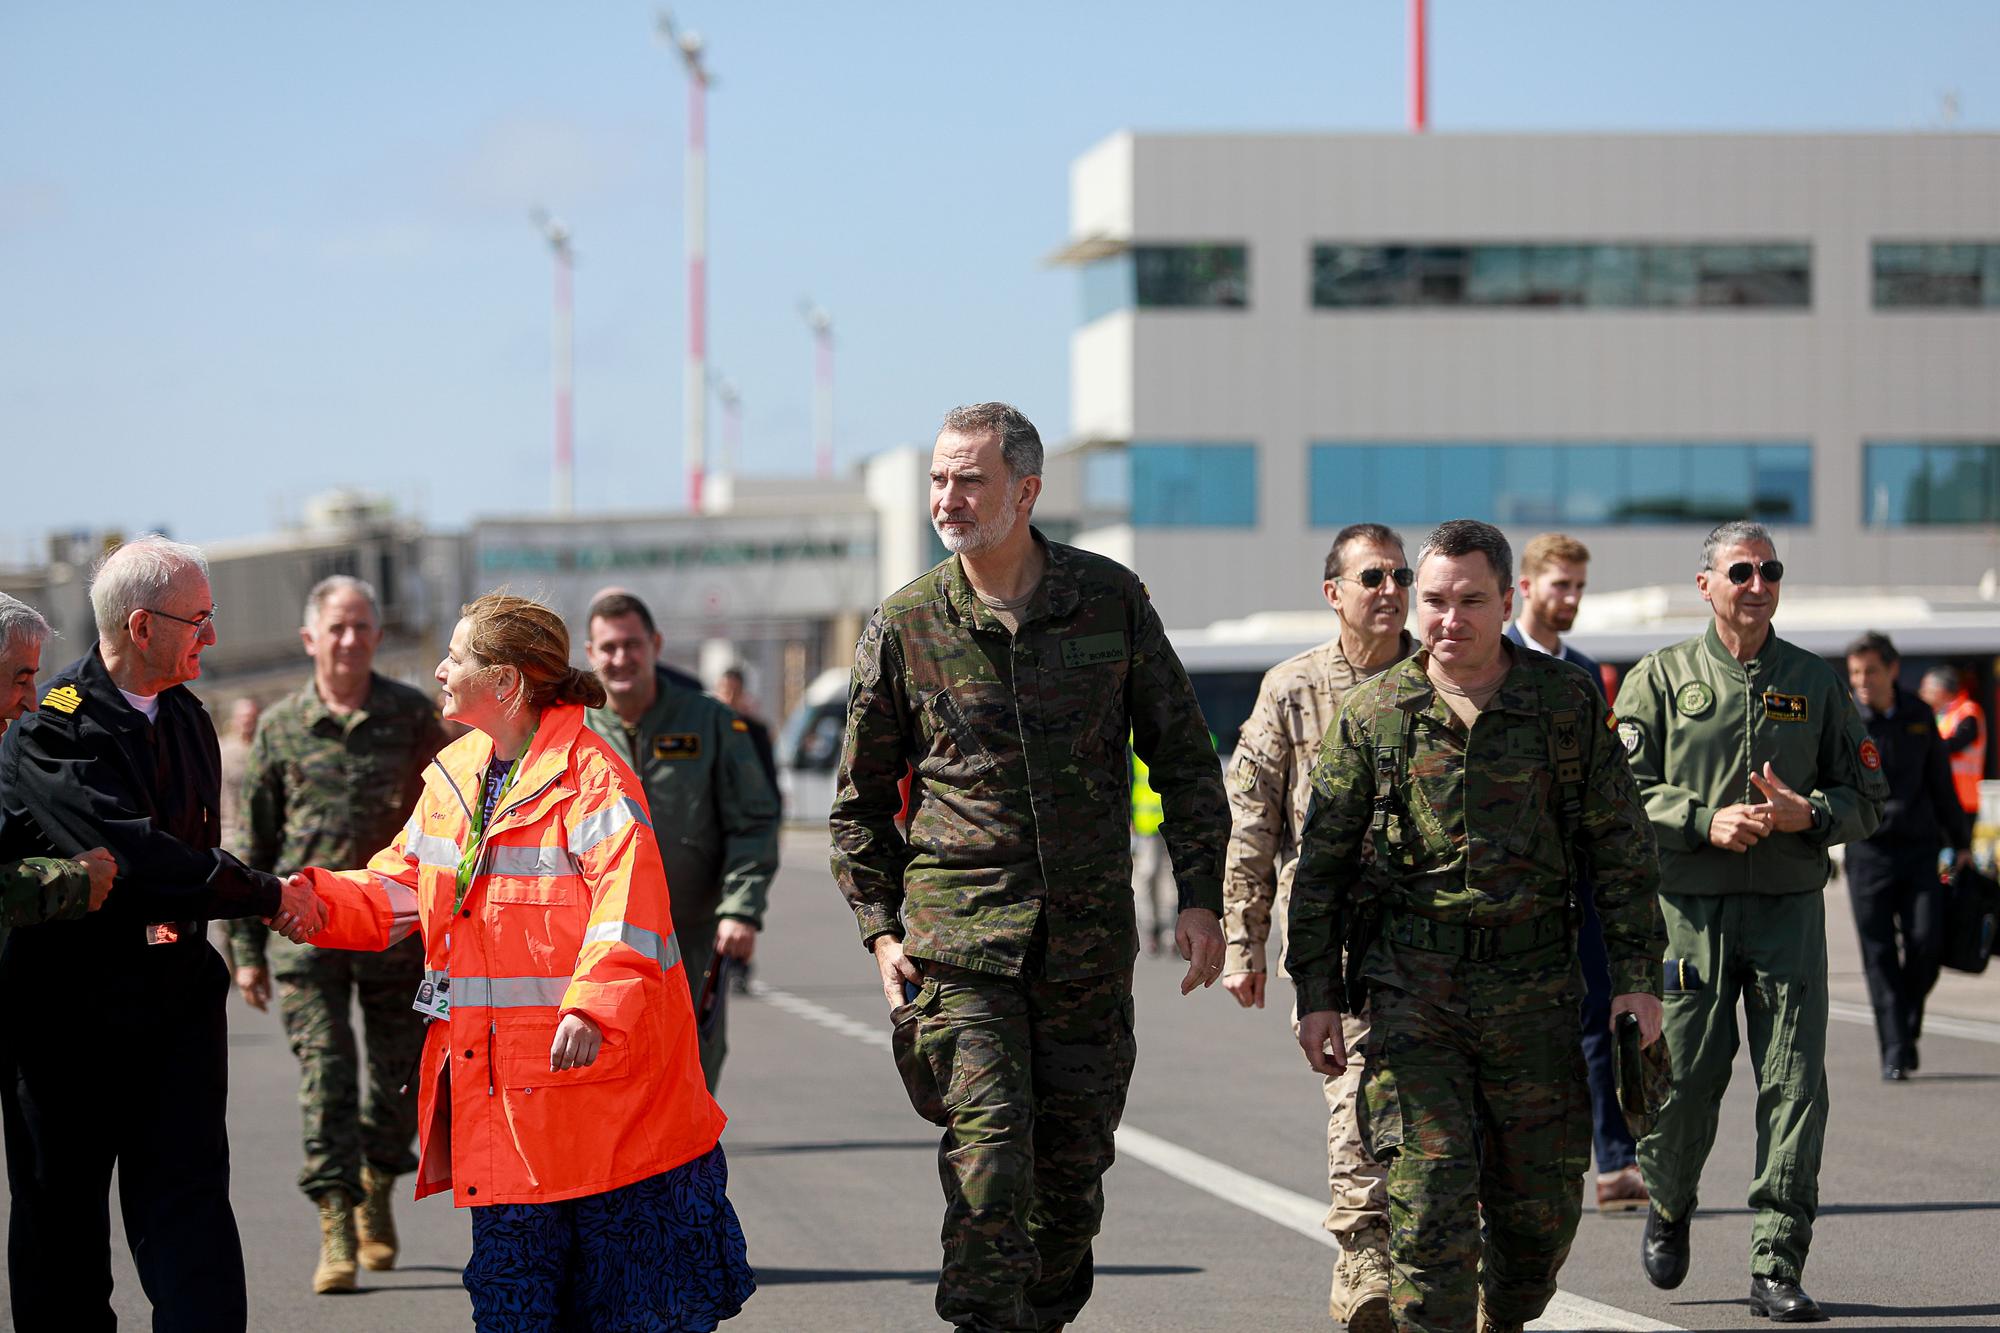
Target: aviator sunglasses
<point x="1772" y="570"/>
<point x="1371" y="579"/>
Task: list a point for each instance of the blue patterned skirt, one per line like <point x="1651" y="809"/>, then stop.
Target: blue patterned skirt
<point x="662" y="1255"/>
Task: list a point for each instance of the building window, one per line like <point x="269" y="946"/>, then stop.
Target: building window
<point x="1532" y="484"/>
<point x="1168" y="277"/>
<point x="1937" y="276"/>
<point x="1931" y="484"/>
<point x="1602" y="277"/>
<point x="1193" y="485"/>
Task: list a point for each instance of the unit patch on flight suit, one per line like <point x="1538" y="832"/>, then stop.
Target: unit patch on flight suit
<point x="1784" y="707"/>
<point x="1694" y="698"/>
<point x="677" y="745"/>
<point x="1628" y="736"/>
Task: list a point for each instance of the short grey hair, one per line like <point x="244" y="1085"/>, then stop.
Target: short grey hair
<point x="1944" y="677"/>
<point x="1736" y="532"/>
<point x="333" y="583"/>
<point x="21" y="624"/>
<point x="1020" y="442"/>
<point x="136" y="574"/>
<point x="1463" y="536"/>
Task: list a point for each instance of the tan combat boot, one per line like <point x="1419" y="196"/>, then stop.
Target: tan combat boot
<point x="1360" y="1297"/>
<point x="374" y="1221"/>
<point x="336" y="1244"/>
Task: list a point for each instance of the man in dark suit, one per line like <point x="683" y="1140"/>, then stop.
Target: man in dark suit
<point x="1553" y="571"/>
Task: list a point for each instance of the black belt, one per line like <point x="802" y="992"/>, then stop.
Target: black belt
<point x="1479" y="943"/>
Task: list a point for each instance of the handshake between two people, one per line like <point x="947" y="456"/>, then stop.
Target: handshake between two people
<point x="300" y="915"/>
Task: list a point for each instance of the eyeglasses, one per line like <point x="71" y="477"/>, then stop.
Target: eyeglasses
<point x="1371" y="579"/>
<point x="205" y="620"/>
<point x="1740" y="572"/>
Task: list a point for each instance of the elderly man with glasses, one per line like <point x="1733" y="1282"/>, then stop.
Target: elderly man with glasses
<point x="1752" y="762"/>
<point x="117" y="1049"/>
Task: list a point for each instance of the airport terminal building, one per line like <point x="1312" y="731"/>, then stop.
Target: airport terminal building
<point x="1629" y="337"/>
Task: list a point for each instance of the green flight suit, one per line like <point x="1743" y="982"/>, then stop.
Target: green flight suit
<point x="715" y="815"/>
<point x="1475" y="1095"/>
<point x="1696" y="723"/>
<point x="42" y="888"/>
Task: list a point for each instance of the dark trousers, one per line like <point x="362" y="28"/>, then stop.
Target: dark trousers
<point x="143" y="1086"/>
<point x="1609" y="1134"/>
<point x="1896" y="893"/>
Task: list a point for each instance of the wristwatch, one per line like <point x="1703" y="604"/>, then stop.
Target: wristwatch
<point x="1821" y="820"/>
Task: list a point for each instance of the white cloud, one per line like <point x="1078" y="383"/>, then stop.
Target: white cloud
<point x="523" y="162"/>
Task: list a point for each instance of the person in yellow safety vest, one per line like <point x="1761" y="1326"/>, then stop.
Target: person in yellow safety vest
<point x="1152" y="873"/>
<point x="1962" y="723"/>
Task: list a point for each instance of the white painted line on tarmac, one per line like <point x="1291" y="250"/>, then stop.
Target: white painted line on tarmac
<point x="1295" y="1212"/>
<point x="1935" y="1025"/>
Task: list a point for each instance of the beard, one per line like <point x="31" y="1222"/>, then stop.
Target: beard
<point x="985" y="535"/>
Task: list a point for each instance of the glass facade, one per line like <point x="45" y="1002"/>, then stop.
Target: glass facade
<point x="1937" y="276"/>
<point x="1621" y="276"/>
<point x="1168" y="277"/>
<point x="1930" y="483"/>
<point x="1528" y="483"/>
<point x="1192" y="485"/>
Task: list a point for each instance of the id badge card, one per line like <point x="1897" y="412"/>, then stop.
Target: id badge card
<point x="433" y="999"/>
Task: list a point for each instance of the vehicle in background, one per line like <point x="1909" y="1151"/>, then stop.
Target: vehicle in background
<point x="809" y="748"/>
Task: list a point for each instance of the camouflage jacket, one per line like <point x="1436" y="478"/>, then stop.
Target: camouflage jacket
<point x="330" y="791"/>
<point x="1697" y="723"/>
<point x="1473" y="835"/>
<point x="1270" y="785"/>
<point x="714" y="812"/>
<point x="1017" y="857"/>
<point x="42" y="888"/>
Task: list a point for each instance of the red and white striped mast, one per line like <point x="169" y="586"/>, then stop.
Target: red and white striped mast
<point x="821" y="325"/>
<point x="1420" y="110"/>
<point x="562" y="345"/>
<point x="694" y="387"/>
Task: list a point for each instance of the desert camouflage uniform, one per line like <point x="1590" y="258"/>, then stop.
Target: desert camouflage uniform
<point x="1013" y="890"/>
<point x="1270" y="787"/>
<point x="42" y="888"/>
<point x="1475" y="1096"/>
<point x="331" y="791"/>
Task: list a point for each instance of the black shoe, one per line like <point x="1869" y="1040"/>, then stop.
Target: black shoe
<point x="1894" y="1074"/>
<point x="1783" y="1301"/>
<point x="1663" y="1249"/>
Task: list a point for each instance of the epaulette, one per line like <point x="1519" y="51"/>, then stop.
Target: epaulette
<point x="64" y="699"/>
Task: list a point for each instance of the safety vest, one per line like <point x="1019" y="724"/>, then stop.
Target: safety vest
<point x="1968" y="766"/>
<point x="565" y="911"/>
<point x="1147" y="813"/>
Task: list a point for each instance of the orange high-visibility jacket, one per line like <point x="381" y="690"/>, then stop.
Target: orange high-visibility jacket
<point x="1968" y="766"/>
<point x="567" y="913"/>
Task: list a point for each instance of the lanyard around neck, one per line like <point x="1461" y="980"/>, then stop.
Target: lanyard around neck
<point x="476" y="841"/>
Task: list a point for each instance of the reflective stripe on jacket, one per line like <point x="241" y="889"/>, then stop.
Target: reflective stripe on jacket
<point x="1968" y="766"/>
<point x="567" y="912"/>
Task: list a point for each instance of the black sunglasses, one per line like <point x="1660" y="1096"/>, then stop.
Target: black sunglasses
<point x="1772" y="570"/>
<point x="1372" y="578"/>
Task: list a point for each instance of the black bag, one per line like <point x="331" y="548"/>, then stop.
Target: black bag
<point x="1972" y="916"/>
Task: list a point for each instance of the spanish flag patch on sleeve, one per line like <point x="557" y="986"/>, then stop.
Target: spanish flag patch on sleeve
<point x="739" y="724"/>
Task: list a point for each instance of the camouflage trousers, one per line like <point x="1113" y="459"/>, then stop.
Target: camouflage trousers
<point x="1475" y="1118"/>
<point x="1769" y="950"/>
<point x="345" y="1125"/>
<point x="1028" y="1078"/>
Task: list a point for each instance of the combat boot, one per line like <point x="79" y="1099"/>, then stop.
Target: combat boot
<point x="374" y="1222"/>
<point x="1360" y="1296"/>
<point x="336" y="1244"/>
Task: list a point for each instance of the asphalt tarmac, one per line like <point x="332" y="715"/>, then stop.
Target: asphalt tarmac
<point x="1214" y="1202"/>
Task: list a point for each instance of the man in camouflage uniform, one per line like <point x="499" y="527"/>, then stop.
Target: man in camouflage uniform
<point x="1752" y="762"/>
<point x="39" y="888"/>
<point x="1480" y="774"/>
<point x="1270" y="785"/>
<point x="714" y="811"/>
<point x="334" y="771"/>
<point x="1009" y="678"/>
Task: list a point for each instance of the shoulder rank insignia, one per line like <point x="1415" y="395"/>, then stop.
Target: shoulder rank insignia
<point x="738" y="724"/>
<point x="1694" y="698"/>
<point x="63" y="699"/>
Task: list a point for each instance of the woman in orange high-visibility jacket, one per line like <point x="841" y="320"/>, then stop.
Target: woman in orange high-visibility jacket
<point x="562" y="1094"/>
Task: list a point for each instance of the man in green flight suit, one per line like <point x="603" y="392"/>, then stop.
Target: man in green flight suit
<point x="40" y="888"/>
<point x="714" y="812"/>
<point x="1484" y="777"/>
<point x="1753" y="762"/>
<point x="1010" y="677"/>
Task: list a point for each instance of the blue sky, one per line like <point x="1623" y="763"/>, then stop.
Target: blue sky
<point x="249" y="252"/>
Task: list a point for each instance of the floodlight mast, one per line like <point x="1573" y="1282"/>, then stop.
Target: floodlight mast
<point x="694" y="386"/>
<point x="562" y="344"/>
<point x="821" y="325"/>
